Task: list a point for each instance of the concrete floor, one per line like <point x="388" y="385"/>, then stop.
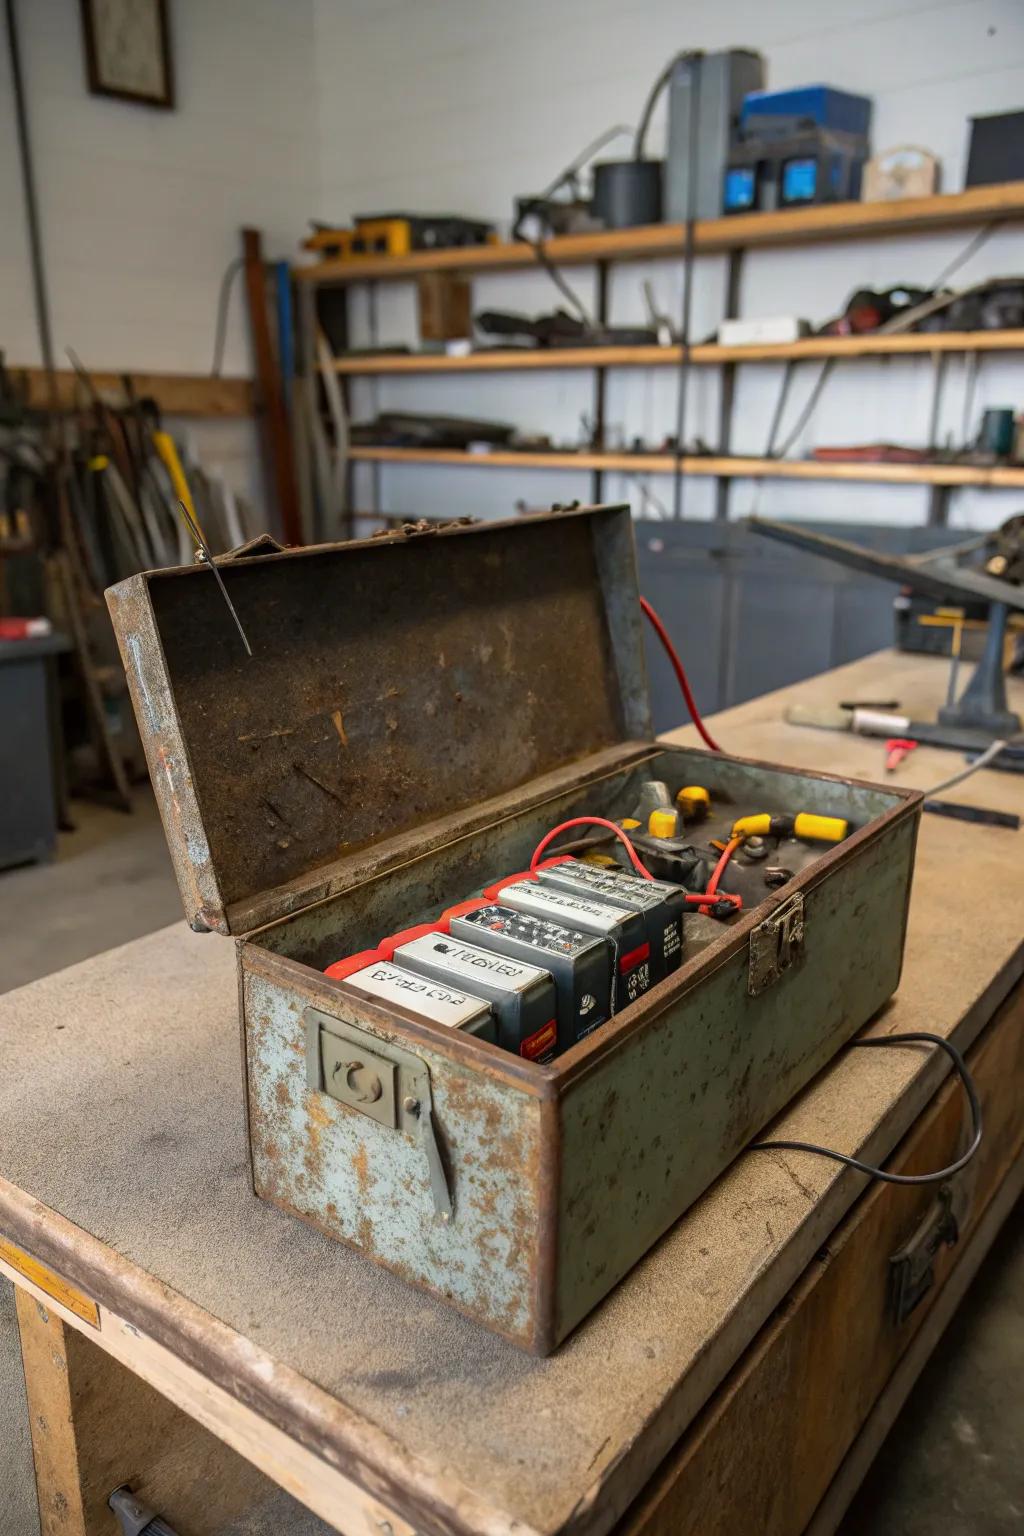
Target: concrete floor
<point x="111" y="882"/>
<point x="953" y="1462"/>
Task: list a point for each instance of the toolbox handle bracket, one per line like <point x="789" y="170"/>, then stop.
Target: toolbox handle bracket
<point x="376" y="1078"/>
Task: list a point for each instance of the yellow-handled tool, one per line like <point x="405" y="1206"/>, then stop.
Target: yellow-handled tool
<point x="805" y="825"/>
<point x="167" y="453"/>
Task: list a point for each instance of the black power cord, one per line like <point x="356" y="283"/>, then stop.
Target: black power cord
<point x="227" y="281"/>
<point x="916" y="1037"/>
<point x="535" y="204"/>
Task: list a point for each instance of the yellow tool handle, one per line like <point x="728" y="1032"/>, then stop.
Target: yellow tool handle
<point x="163" y="442"/>
<point x="805" y="825"/>
<point x="820" y="829"/>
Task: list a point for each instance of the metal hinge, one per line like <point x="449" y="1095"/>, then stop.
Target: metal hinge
<point x="381" y="1081"/>
<point x="775" y="944"/>
<point x="912" y="1267"/>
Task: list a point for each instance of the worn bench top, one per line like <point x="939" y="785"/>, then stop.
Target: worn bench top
<point x="121" y="1111"/>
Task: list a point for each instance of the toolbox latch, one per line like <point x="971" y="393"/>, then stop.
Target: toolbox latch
<point x="775" y="944"/>
<point x="376" y="1078"/>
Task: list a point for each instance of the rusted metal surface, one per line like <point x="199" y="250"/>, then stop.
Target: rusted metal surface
<point x="166" y="754"/>
<point x="367" y="1184"/>
<point x="647" y="1131"/>
<point x="392" y="681"/>
<point x="622" y="1149"/>
<point x="417" y="713"/>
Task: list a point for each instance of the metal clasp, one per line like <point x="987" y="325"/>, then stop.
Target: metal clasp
<point x="775" y="944"/>
<point x="381" y="1081"/>
<point x="912" y="1267"/>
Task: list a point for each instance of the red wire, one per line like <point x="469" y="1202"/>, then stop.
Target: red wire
<point x="719" y="870"/>
<point x="591" y="821"/>
<point x="707" y="898"/>
<point x="677" y="667"/>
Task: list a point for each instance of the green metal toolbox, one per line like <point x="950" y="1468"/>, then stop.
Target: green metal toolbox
<point x="417" y="712"/>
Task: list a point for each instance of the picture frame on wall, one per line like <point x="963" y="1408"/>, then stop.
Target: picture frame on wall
<point x="128" y="50"/>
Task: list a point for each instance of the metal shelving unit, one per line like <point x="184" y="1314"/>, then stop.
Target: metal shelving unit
<point x="734" y="236"/>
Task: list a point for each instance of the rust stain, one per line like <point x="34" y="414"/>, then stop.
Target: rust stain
<point x="361" y="1164"/>
<point x="317" y="1111"/>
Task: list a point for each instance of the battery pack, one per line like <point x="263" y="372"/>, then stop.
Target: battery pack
<point x="660" y="904"/>
<point x="430" y="1001"/>
<point x="522" y="996"/>
<point x="579" y="963"/>
<point x="624" y="930"/>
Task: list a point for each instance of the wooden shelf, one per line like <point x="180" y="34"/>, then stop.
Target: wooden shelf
<point x="811" y="347"/>
<point x="835" y="221"/>
<point x="177" y="394"/>
<point x="995" y="477"/>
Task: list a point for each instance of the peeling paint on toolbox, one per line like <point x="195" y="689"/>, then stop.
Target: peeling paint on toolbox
<point x="368" y="1185"/>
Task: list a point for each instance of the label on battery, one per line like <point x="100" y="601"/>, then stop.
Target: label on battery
<point x="469" y="962"/>
<point x="522" y="996"/>
<point x="579" y="963"/>
<point x="624" y="928"/>
<point x="540" y="1046"/>
<point x="428" y="999"/>
<point x="661" y="903"/>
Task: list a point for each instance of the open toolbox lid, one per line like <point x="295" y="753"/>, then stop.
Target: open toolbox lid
<point x="393" y="681"/>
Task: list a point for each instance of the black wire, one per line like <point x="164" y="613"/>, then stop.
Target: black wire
<point x="560" y="282"/>
<point x="683" y="373"/>
<point x="810" y="406"/>
<point x="231" y="271"/>
<point x="650" y="104"/>
<point x="914" y="1038"/>
<point x="974" y="244"/>
<point x="534" y="204"/>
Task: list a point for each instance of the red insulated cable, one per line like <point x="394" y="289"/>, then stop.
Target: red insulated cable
<point x="591" y="821"/>
<point x="678" y="669"/>
<point x="706" y="898"/>
<point x="712" y="893"/>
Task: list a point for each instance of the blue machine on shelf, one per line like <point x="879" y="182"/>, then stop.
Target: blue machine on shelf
<point x="796" y="148"/>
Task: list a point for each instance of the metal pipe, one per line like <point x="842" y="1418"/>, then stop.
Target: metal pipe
<point x="35" y="238"/>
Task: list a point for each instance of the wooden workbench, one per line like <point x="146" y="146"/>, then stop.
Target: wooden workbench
<point x="738" y="1379"/>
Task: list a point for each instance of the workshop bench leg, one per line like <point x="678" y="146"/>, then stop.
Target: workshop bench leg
<point x="95" y="1426"/>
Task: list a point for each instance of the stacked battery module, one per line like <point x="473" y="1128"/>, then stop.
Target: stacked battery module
<point x="536" y="963"/>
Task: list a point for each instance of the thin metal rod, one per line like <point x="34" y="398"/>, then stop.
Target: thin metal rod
<point x="35" y="238"/>
<point x="193" y="528"/>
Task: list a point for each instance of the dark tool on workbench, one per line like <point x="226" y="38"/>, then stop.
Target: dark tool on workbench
<point x="960" y="812"/>
<point x="134" y="1517"/>
<point x="204" y="548"/>
<point x="981" y="714"/>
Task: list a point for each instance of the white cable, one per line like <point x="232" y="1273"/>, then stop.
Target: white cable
<point x="958" y="778"/>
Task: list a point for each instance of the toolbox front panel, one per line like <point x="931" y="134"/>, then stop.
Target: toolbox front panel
<point x="649" y="1127"/>
<point x="368" y="1185"/>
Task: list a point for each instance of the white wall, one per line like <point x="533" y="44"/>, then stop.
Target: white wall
<point x="293" y="108"/>
<point x="141" y="208"/>
<point x="465" y="103"/>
